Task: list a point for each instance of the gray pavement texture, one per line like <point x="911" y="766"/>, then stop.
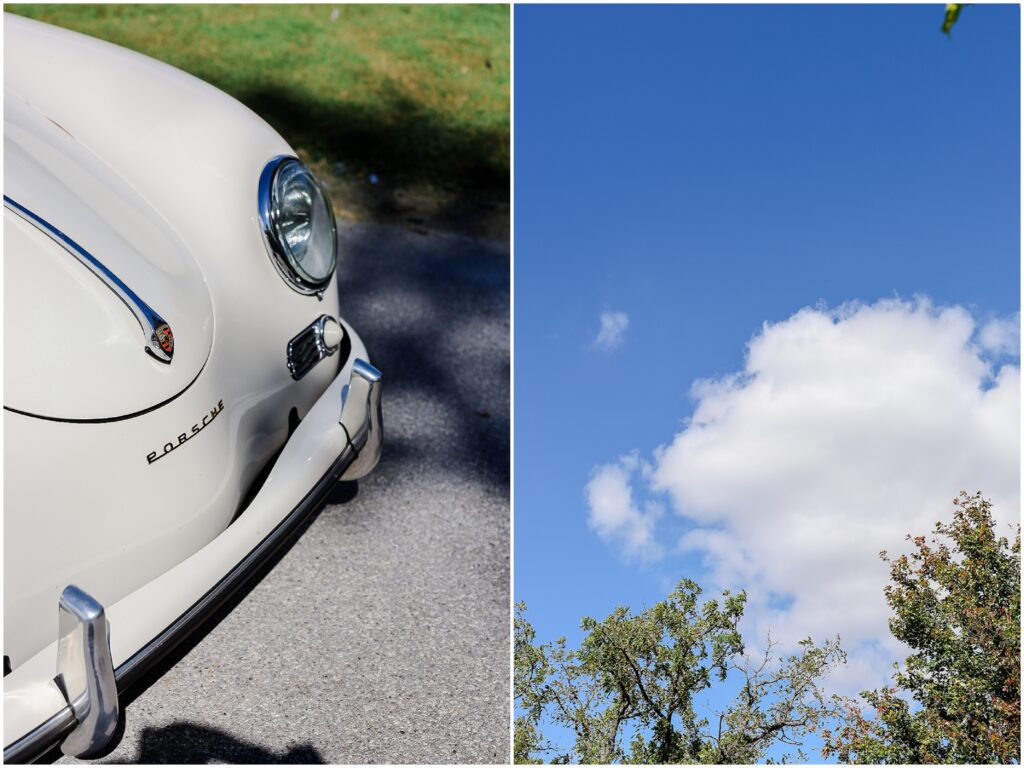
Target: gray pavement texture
<point x="382" y="634"/>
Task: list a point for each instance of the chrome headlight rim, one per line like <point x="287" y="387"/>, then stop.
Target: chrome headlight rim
<point x="279" y="255"/>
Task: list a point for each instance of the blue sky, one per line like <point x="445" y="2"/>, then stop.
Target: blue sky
<point x="694" y="172"/>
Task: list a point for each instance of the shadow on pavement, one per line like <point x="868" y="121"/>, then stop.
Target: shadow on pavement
<point x="433" y="311"/>
<point x="191" y="743"/>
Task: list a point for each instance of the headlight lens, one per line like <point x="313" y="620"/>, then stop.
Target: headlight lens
<point x="298" y="224"/>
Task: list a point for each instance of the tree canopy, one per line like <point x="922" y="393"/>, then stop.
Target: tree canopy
<point x="956" y="604"/>
<point x="628" y="692"/>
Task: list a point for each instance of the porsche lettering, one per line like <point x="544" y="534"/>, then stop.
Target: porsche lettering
<point x="184" y="437"/>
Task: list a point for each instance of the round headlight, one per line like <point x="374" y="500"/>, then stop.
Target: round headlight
<point x="298" y="224"/>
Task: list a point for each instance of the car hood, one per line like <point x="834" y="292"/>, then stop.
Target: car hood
<point x="73" y="350"/>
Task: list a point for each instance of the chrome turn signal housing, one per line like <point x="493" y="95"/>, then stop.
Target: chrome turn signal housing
<point x="321" y="338"/>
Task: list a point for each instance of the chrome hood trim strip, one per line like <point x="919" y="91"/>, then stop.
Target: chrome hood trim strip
<point x="158" y="335"/>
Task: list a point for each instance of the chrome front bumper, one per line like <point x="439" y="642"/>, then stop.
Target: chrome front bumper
<point x="87" y="678"/>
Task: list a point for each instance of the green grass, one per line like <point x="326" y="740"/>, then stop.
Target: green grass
<point x="416" y="95"/>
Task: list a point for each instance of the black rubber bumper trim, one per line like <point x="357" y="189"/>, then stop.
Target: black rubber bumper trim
<point x="37" y="742"/>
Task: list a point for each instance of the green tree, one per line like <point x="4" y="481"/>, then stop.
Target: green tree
<point x="956" y="604"/>
<point x="636" y="678"/>
<point x="531" y="671"/>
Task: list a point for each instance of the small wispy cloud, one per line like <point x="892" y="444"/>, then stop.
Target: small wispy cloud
<point x="613" y="327"/>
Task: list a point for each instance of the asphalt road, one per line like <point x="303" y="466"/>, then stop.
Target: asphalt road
<point x="382" y="634"/>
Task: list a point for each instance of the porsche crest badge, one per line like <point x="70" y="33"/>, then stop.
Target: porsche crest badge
<point x="165" y="338"/>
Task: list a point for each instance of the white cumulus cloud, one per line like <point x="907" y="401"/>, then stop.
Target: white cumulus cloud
<point x="846" y="430"/>
<point x="613" y="327"/>
<point x="1001" y="336"/>
<point x="613" y="513"/>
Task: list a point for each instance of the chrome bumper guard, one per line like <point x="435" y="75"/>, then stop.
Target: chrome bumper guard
<point x="85" y="671"/>
<point x="361" y="419"/>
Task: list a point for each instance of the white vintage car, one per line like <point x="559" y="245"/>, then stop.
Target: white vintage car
<point x="179" y="388"/>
